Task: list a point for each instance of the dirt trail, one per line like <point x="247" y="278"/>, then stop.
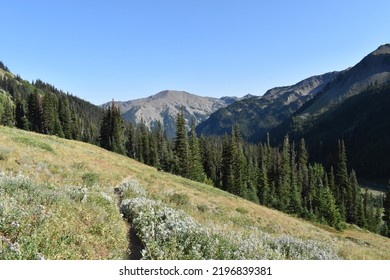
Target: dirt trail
<point x="135" y="243"/>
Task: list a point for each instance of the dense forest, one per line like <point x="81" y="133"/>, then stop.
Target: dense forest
<point x="42" y="108"/>
<point x="278" y="177"/>
<point x="361" y="121"/>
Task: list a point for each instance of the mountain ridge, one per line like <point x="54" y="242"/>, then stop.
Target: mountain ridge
<point x="256" y="115"/>
<point x="165" y="105"/>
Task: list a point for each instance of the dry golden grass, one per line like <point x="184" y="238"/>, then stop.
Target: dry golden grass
<point x="60" y="162"/>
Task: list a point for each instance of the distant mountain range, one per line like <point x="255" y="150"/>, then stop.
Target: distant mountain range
<point x="165" y="105"/>
<point x="257" y="115"/>
<point x="353" y="107"/>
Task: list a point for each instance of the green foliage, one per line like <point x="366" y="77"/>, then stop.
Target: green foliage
<point x="112" y="130"/>
<point x="90" y="179"/>
<point x="181" y="146"/>
<point x="33" y="143"/>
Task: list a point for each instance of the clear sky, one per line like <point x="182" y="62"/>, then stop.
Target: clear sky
<point x="99" y="50"/>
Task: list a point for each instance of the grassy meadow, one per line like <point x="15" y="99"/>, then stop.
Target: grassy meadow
<point x="62" y="199"/>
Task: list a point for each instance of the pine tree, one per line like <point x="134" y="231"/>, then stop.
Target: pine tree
<point x="117" y="130"/>
<point x="7" y="118"/>
<point x="131" y="141"/>
<point x="386" y="206"/>
<point x="263" y="190"/>
<point x="342" y="186"/>
<point x="35" y="112"/>
<point x="295" y="202"/>
<point x="328" y="209"/>
<point x="181" y="145"/>
<point x="49" y="113"/>
<point x="196" y="172"/>
<point x="64" y="116"/>
<point x="227" y="165"/>
<point x="112" y="130"/>
<point x="239" y="187"/>
<point x="21" y="120"/>
<point x="285" y="176"/>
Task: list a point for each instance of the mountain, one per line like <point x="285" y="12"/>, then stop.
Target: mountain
<point x="374" y="69"/>
<point x="256" y="115"/>
<point x="71" y="211"/>
<point x="165" y="105"/>
<point x="354" y="107"/>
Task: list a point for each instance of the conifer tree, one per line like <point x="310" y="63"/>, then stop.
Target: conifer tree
<point x="263" y="189"/>
<point x="196" y="172"/>
<point x="285" y="176"/>
<point x="386" y="206"/>
<point x="295" y="202"/>
<point x="7" y="117"/>
<point x="21" y="120"/>
<point x="239" y="187"/>
<point x="64" y="116"/>
<point x="181" y="145"/>
<point x="227" y="165"/>
<point x="131" y="141"/>
<point x="343" y="191"/>
<point x="35" y="112"/>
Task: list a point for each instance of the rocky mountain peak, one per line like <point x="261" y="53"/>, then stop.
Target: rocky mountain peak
<point x="382" y="50"/>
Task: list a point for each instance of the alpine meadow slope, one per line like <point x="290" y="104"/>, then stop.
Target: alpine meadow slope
<point x="70" y="210"/>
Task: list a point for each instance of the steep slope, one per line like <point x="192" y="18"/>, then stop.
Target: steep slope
<point x="256" y="115"/>
<point x="71" y="205"/>
<point x="353" y="107"/>
<point x="361" y="121"/>
<point x="374" y="69"/>
<point x="165" y="105"/>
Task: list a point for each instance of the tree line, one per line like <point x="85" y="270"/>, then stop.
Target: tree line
<point x="42" y="108"/>
<point x="278" y="177"/>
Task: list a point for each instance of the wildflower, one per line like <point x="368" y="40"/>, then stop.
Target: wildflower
<point x="15" y="224"/>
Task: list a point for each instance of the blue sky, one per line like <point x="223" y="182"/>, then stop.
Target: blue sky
<point x="99" y="50"/>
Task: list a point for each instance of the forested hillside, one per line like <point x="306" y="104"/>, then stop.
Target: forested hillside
<point x="42" y="108"/>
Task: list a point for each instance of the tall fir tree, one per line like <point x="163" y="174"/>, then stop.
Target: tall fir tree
<point x="64" y="116"/>
<point x="196" y="172"/>
<point x="227" y="165"/>
<point x="21" y="120"/>
<point x="181" y="145"/>
<point x="386" y="206"/>
<point x="35" y="112"/>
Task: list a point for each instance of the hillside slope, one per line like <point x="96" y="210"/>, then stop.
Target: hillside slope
<point x="256" y="115"/>
<point x="73" y="208"/>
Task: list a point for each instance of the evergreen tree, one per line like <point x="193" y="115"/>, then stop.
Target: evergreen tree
<point x="285" y="176"/>
<point x="131" y="141"/>
<point x="35" y="112"/>
<point x="112" y="130"/>
<point x="7" y="118"/>
<point x="21" y="120"/>
<point x="264" y="192"/>
<point x="343" y="191"/>
<point x="328" y="209"/>
<point x="295" y="202"/>
<point x="64" y="116"/>
<point x="227" y="165"/>
<point x="181" y="145"/>
<point x="386" y="206"/>
<point x="196" y="172"/>
<point x="239" y="187"/>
